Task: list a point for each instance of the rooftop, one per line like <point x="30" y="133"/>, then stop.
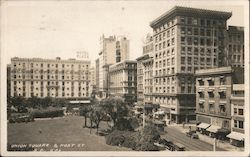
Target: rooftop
<point x="187" y="11"/>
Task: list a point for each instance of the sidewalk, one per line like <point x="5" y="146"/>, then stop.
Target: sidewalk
<point x="221" y="144"/>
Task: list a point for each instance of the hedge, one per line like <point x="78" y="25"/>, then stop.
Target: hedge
<point x="47" y="113"/>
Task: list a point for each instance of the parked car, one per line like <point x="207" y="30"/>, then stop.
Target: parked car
<point x="192" y="134"/>
<point x="168" y="144"/>
<point x="178" y="147"/>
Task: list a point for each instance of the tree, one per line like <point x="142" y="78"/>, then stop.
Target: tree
<point x="84" y="110"/>
<point x="96" y="115"/>
<point x="19" y="103"/>
<point x="115" y="108"/>
<point x="46" y="102"/>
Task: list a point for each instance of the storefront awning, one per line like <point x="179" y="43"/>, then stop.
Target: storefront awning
<point x="213" y="128"/>
<point x="236" y="136"/>
<point x="203" y="125"/>
<point x="160" y="112"/>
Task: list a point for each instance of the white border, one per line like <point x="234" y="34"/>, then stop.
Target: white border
<point x="3" y="92"/>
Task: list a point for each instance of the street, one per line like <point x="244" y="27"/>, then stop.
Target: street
<point x="174" y="134"/>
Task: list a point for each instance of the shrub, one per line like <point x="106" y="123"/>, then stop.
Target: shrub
<point x="48" y="113"/>
<point x="140" y="141"/>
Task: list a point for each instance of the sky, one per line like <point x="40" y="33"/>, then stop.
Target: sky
<point x="50" y="29"/>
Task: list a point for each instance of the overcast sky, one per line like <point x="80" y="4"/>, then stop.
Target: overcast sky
<point x="61" y="28"/>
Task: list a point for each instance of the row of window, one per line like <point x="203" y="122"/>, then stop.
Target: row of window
<point x="165" y="90"/>
<point x="165" y="62"/>
<point x="198" y="41"/>
<point x="201" y="21"/>
<point x="211" y="94"/>
<point x="164" y="53"/>
<point x="49" y="83"/>
<point x="195" y="60"/>
<point x="63" y="89"/>
<point x="166" y="34"/>
<point x="199" y="32"/>
<point x="212" y="109"/>
<point x="49" y="65"/>
<point x="50" y="94"/>
<point x="164" y="44"/>
<point x="48" y="77"/>
<point x="198" y="51"/>
<point x="211" y="81"/>
<point x="167" y="71"/>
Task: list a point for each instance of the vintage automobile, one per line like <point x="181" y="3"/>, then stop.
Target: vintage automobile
<point x="192" y="134"/>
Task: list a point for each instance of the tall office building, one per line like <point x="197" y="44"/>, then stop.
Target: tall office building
<point x="50" y="77"/>
<point x="185" y="40"/>
<point x="113" y="50"/>
<point x="235" y="46"/>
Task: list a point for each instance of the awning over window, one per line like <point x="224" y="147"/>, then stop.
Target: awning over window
<point x="160" y="112"/>
<point x="213" y="128"/>
<point x="236" y="136"/>
<point x="203" y="125"/>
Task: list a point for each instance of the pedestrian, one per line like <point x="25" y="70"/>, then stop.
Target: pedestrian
<point x="183" y="125"/>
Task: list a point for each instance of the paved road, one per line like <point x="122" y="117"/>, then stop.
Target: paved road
<point x="174" y="134"/>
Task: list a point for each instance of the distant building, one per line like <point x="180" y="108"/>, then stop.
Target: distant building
<point x="185" y="40"/>
<point x="148" y="46"/>
<point x="235" y="46"/>
<point x="237" y="135"/>
<point x="213" y="93"/>
<point x="148" y="78"/>
<point x="97" y="67"/>
<point x="113" y="50"/>
<point x="50" y="77"/>
<point x="92" y="80"/>
<point x="141" y="82"/>
<point x="123" y="80"/>
<point x="8" y="80"/>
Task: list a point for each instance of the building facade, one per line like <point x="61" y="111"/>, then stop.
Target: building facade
<point x="113" y="50"/>
<point x="50" y="77"/>
<point x="238" y="115"/>
<point x="213" y="92"/>
<point x="123" y="80"/>
<point x="235" y="46"/>
<point x="147" y="50"/>
<point x="185" y="40"/>
<point x="92" y="74"/>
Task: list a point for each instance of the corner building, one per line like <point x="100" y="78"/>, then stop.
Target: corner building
<point x="50" y="77"/>
<point x="185" y="40"/>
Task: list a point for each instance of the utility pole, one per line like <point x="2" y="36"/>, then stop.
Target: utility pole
<point x="143" y="118"/>
<point x="214" y="145"/>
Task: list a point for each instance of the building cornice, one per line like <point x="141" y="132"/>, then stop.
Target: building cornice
<point x="186" y="11"/>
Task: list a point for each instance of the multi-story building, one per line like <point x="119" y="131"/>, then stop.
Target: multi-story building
<point x="213" y="93"/>
<point x="113" y="50"/>
<point x="185" y="40"/>
<point x="148" y="78"/>
<point x="92" y="74"/>
<point x="148" y="46"/>
<point x="97" y="66"/>
<point x="8" y="81"/>
<point x="235" y="46"/>
<point x="123" y="80"/>
<point x="237" y="111"/>
<point x="141" y="68"/>
<point x="50" y="77"/>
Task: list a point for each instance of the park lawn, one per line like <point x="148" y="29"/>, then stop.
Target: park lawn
<point x="66" y="130"/>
